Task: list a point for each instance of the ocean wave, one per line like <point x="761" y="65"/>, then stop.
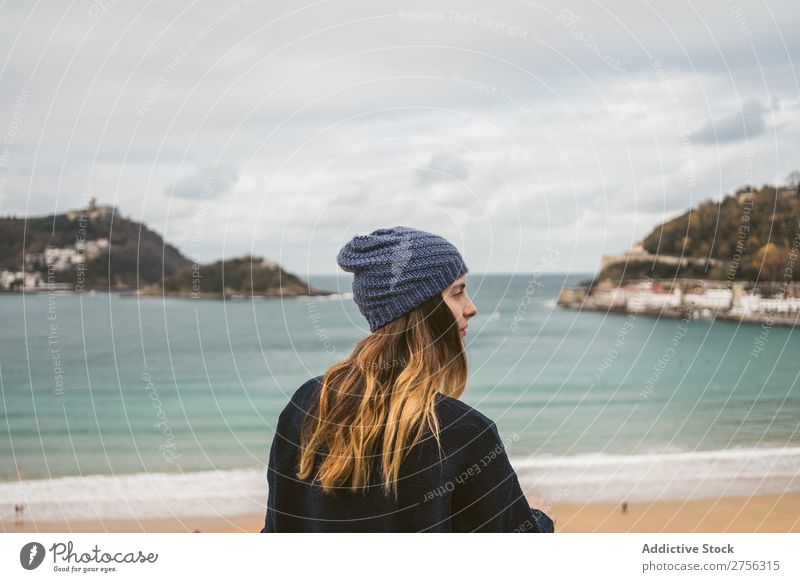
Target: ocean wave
<point x="137" y="495"/>
<point x="331" y="297"/>
<point x="582" y="478"/>
<point x="605" y="477"/>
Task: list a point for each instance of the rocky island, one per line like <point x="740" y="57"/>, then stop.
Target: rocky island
<point x="237" y="278"/>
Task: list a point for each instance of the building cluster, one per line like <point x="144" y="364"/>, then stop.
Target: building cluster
<point x="682" y="297"/>
<point x="700" y="298"/>
<point x="38" y="269"/>
<point x="36" y="266"/>
<point x="17" y="280"/>
<point x="62" y="259"/>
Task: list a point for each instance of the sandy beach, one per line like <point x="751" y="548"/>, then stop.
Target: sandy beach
<point x="765" y="513"/>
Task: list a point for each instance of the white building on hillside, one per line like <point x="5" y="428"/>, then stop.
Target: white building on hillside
<point x="710" y="299"/>
<point x="644" y="300"/>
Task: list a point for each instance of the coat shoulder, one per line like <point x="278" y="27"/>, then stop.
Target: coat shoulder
<point x="460" y="416"/>
<point x="302" y="399"/>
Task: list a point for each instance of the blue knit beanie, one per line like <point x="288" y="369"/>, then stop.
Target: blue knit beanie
<point x="397" y="269"/>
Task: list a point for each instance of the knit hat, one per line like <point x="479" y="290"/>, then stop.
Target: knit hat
<point x="397" y="269"/>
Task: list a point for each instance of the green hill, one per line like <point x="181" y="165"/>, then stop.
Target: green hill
<point x="96" y="248"/>
<point x="248" y="276"/>
<point x="134" y="255"/>
<point x="747" y="236"/>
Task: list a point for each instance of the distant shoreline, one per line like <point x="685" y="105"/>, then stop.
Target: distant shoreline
<point x="758" y="319"/>
<point x="229" y="295"/>
<point x="690" y="299"/>
<point x="172" y="294"/>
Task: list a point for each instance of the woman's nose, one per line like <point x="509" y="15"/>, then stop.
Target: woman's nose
<point x="471" y="310"/>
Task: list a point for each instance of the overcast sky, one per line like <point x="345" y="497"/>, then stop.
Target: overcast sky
<point x="533" y="135"/>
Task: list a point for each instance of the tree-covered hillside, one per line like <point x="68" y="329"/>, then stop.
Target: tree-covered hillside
<point x="243" y="276"/>
<point x="751" y="232"/>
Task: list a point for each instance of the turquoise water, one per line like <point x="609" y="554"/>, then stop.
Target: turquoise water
<point x="153" y="385"/>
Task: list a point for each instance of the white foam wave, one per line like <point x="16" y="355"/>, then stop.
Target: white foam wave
<point x="331" y="297"/>
<point x="584" y="478"/>
<point x="600" y="477"/>
<point x="138" y="495"/>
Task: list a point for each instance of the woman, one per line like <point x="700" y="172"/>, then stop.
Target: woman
<point x="380" y="442"/>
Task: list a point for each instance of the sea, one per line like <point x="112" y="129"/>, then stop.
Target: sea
<point x="118" y="406"/>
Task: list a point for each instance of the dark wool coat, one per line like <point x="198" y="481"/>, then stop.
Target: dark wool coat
<point x="473" y="488"/>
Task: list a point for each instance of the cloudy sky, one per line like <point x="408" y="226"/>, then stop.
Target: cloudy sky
<point x="521" y="131"/>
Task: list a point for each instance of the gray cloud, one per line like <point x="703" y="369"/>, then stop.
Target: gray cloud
<point x="207" y="182"/>
<point x="746" y="123"/>
<point x="443" y="167"/>
<point x="340" y="117"/>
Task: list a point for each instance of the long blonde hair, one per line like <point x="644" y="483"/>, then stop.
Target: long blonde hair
<point x="383" y="396"/>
